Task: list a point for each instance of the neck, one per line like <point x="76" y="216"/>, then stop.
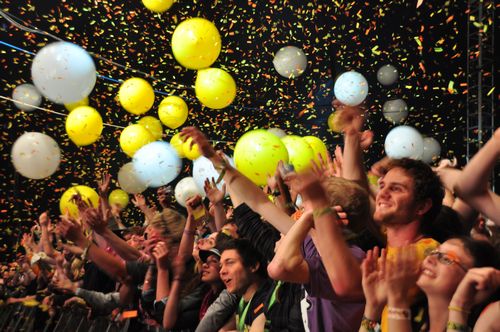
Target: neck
<point x="438" y="313"/>
<point x="217" y="286"/>
<point x="401" y="234"/>
<point x="251" y="290"/>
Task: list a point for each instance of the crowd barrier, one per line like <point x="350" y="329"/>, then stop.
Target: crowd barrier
<point x="18" y="317"/>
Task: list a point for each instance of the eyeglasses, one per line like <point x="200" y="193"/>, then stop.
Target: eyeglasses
<point x="447" y="259"/>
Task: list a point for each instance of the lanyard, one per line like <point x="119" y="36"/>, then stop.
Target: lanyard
<point x="241" y="318"/>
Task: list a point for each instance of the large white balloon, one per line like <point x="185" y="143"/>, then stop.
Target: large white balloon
<point x="404" y="142"/>
<point x="395" y="111"/>
<point x="277" y="131"/>
<point x="185" y="189"/>
<point x="432" y="150"/>
<point x="27" y="94"/>
<point x="157" y="163"/>
<point x="35" y="155"/>
<point x="129" y="181"/>
<point x="387" y="75"/>
<point x="63" y="72"/>
<point x="204" y="169"/>
<point x="290" y="62"/>
<point x="351" y="88"/>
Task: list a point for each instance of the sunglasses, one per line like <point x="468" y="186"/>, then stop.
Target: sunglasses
<point x="447" y="259"/>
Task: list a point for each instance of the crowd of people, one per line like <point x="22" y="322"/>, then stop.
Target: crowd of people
<point x="415" y="251"/>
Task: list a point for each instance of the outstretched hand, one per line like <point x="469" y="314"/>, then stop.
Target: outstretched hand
<point x="213" y="193"/>
<point x="103" y="184"/>
<point x="200" y="139"/>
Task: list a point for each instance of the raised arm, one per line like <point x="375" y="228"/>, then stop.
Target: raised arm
<point x="342" y="267"/>
<point x="240" y="185"/>
<point x="216" y="196"/>
<point x="288" y="263"/>
<point x="472" y="186"/>
<point x="45" y="240"/>
<point x="113" y="267"/>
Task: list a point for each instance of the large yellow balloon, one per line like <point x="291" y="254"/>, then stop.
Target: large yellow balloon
<point x="215" y="88"/>
<point x="257" y="154"/>
<point x="334" y="124"/>
<point x="196" y="43"/>
<point x="136" y="95"/>
<point x="118" y="197"/>
<point x="158" y="6"/>
<point x="153" y="125"/>
<point x="173" y="112"/>
<point x="72" y="106"/>
<point x="299" y="152"/>
<point x="191" y="153"/>
<point x="88" y="195"/>
<point x="84" y="125"/>
<point x="317" y="146"/>
<point x="177" y="143"/>
<point x="133" y="138"/>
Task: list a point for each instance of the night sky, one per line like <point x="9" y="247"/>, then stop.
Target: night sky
<point x="427" y="45"/>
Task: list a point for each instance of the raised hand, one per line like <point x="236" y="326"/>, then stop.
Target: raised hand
<point x="213" y="193"/>
<point x="139" y="201"/>
<point x="200" y="139"/>
<point x="477" y="285"/>
<point x="160" y="254"/>
<point x="71" y="230"/>
<point x="96" y="220"/>
<point x="103" y="184"/>
<point x="44" y="220"/>
<point x="401" y="273"/>
<point x="374" y="282"/>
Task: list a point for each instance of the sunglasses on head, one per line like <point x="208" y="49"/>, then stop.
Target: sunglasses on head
<point x="447" y="259"/>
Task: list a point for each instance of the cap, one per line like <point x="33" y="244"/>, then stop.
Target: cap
<point x="204" y="254"/>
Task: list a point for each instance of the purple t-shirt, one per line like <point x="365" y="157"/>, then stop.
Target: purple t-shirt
<point x="327" y="312"/>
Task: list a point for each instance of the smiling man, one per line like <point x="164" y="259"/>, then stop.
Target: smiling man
<point x="244" y="272"/>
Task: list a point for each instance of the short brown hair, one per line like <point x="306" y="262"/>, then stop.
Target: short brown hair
<point x="353" y="199"/>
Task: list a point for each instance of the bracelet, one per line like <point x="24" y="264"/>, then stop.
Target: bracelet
<point x="222" y="171"/>
<point x="458" y="309"/>
<point x="321" y="212"/>
<point x="189" y="232"/>
<point x="370" y="325"/>
<point x="398" y="313"/>
<point x="457" y="327"/>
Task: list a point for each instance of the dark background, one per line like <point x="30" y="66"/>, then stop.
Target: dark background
<point x="335" y="35"/>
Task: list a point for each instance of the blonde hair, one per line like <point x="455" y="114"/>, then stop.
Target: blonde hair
<point x="170" y="223"/>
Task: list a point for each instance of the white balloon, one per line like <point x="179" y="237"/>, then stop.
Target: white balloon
<point x="432" y="150"/>
<point x="204" y="169"/>
<point x="35" y="155"/>
<point x="157" y="164"/>
<point x="290" y="62"/>
<point x="387" y="75"/>
<point x="277" y="131"/>
<point x="129" y="181"/>
<point x="63" y="72"/>
<point x="185" y="189"/>
<point x="404" y="142"/>
<point x="27" y="94"/>
<point x="351" y="88"/>
<point x="395" y="111"/>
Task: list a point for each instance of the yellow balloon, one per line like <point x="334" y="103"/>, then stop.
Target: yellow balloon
<point x="119" y="197"/>
<point x="215" y="88"/>
<point x="257" y="154"/>
<point x="72" y="106"/>
<point x="153" y="125"/>
<point x="177" y="143"/>
<point x="191" y="153"/>
<point x="88" y="195"/>
<point x="84" y="125"/>
<point x="173" y="112"/>
<point x="372" y="178"/>
<point x="136" y="95"/>
<point x="317" y="146"/>
<point x="158" y="6"/>
<point x="334" y="124"/>
<point x="196" y="43"/>
<point x="299" y="152"/>
<point x="133" y="138"/>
